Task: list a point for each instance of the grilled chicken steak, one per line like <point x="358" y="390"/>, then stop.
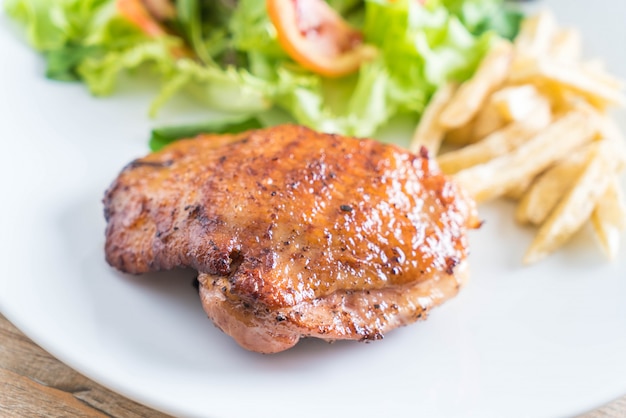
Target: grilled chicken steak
<point x="295" y="233"/>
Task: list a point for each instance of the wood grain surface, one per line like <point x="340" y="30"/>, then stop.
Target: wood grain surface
<point x="35" y="384"/>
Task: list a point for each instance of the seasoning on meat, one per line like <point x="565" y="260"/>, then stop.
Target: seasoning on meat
<point x="256" y="214"/>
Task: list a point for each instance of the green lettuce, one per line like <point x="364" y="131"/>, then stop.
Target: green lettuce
<point x="420" y="49"/>
<point x="485" y="15"/>
<point x="163" y="136"/>
<point x="229" y="58"/>
<point x="90" y="41"/>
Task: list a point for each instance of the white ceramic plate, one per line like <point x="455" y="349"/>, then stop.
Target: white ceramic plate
<point x="547" y="340"/>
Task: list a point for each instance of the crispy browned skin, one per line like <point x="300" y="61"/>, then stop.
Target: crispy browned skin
<point x="294" y="233"/>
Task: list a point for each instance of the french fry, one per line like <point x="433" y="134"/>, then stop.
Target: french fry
<point x="577" y="205"/>
<point x="564" y="99"/>
<point x="536" y="34"/>
<point x="613" y="204"/>
<point x="562" y="172"/>
<point x="496" y="144"/>
<point x="546" y="191"/>
<point x="518" y="191"/>
<point x="608" y="235"/>
<point x="516" y="102"/>
<point x="468" y="99"/>
<point x="462" y="135"/>
<point x="487" y="121"/>
<point x="429" y="133"/>
<point x="595" y="69"/>
<point x="608" y="129"/>
<point x="566" y="46"/>
<point x="597" y="89"/>
<point x="496" y="177"/>
<point x="609" y="218"/>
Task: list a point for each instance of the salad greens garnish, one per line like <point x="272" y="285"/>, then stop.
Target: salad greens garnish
<point x="165" y="135"/>
<point x="226" y="54"/>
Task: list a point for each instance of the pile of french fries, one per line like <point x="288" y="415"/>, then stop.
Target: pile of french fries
<point x="532" y="125"/>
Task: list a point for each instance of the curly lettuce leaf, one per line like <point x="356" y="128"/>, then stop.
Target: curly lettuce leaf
<point x="420" y="49"/>
<point x="234" y="62"/>
<point x="425" y="46"/>
<point x="252" y="31"/>
<point x="480" y="16"/>
<point x="71" y="32"/>
<point x="52" y="25"/>
<point x="88" y="40"/>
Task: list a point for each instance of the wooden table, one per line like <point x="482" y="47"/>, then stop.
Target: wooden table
<point x="33" y="383"/>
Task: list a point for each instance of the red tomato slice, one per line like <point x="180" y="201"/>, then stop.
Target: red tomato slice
<point x="316" y="37"/>
<point x="137" y="14"/>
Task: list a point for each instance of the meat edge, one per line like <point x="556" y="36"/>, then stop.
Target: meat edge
<point x="344" y="315"/>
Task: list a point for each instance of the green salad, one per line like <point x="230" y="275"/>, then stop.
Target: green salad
<point x="234" y="56"/>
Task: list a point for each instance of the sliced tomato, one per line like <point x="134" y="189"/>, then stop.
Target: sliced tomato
<point x="137" y="14"/>
<point x="160" y="9"/>
<point x="316" y="37"/>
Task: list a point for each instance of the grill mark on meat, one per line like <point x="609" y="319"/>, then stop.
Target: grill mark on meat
<point x="219" y="264"/>
<point x="236" y="259"/>
<point x="200" y="214"/>
<point x="451" y="263"/>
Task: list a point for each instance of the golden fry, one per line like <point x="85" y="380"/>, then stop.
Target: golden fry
<point x="468" y="99"/>
<point x="496" y="177"/>
<point x="517" y="102"/>
<point x="613" y="204"/>
<point x="487" y="121"/>
<point x="462" y="135"/>
<point x="497" y="144"/>
<point x="599" y="89"/>
<point x="562" y="172"/>
<point x="609" y="130"/>
<point x="429" y="133"/>
<point x="566" y="46"/>
<point x="577" y="205"/>
<point x="609" y="218"/>
<point x="548" y="189"/>
<point x="595" y="69"/>
<point x="518" y="191"/>
<point x="536" y="34"/>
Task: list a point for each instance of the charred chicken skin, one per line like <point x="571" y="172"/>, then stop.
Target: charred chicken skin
<point x="295" y="233"/>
